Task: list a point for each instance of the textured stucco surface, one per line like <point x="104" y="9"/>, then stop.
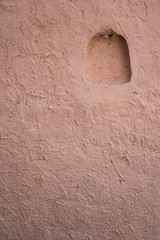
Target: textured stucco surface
<point x="78" y="161"/>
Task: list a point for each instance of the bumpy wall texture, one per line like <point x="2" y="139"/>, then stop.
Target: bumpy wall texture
<point x="79" y="161"/>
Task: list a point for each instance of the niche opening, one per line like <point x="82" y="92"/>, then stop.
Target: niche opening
<point x="107" y="60"/>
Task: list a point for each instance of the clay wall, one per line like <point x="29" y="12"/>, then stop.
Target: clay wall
<point x="80" y="155"/>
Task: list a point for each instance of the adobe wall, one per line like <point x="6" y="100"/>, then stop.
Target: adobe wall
<point x="79" y="159"/>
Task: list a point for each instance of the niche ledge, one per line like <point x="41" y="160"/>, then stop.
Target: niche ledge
<point x="107" y="60"/>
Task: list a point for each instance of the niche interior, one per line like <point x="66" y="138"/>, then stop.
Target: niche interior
<point x="107" y="60"/>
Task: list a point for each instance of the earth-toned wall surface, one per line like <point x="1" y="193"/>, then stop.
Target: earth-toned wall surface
<point x="79" y="160"/>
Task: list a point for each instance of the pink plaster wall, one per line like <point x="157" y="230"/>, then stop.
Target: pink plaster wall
<point x="78" y="161"/>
